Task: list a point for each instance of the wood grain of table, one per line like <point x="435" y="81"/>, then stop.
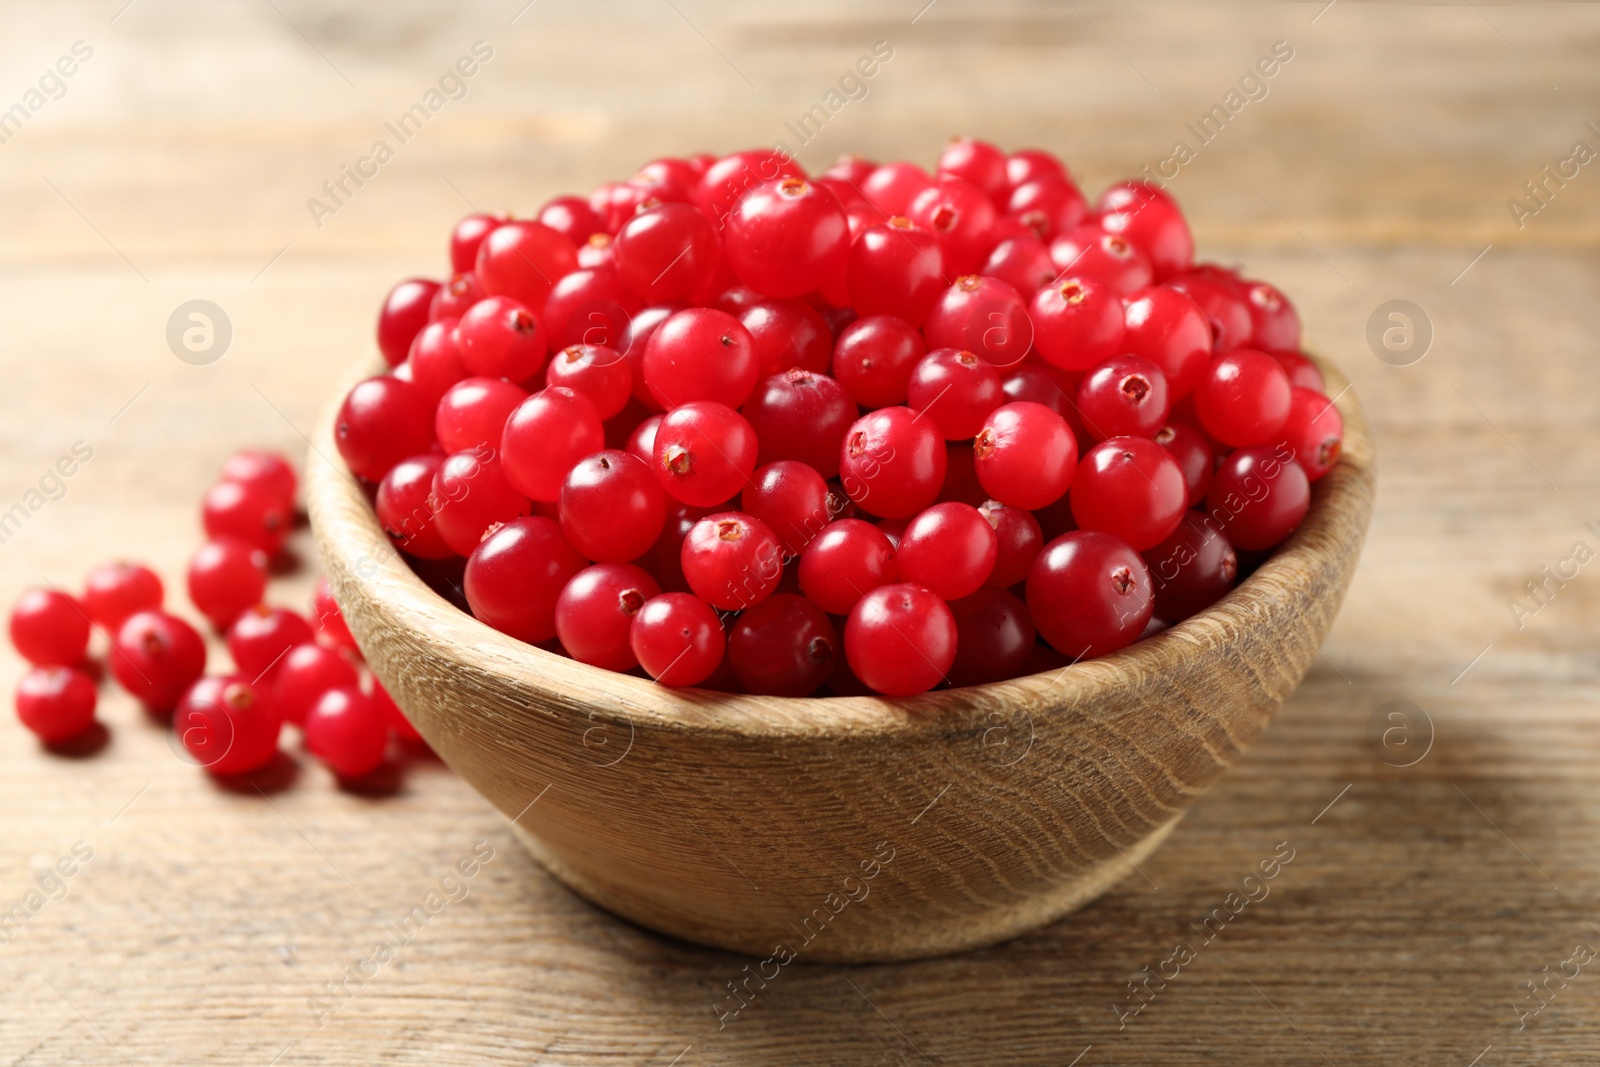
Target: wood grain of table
<point x="1421" y="899"/>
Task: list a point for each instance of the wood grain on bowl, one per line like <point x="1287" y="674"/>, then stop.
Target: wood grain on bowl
<point x="858" y="828"/>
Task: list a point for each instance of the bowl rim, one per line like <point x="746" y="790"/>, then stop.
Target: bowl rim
<point x="347" y="532"/>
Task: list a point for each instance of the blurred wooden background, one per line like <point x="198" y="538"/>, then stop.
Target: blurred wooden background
<point x="176" y="165"/>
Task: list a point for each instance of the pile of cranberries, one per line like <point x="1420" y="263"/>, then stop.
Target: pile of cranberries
<point x="877" y="429"/>
<point x="286" y="668"/>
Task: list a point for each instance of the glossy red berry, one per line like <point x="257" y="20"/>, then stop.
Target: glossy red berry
<point x="1192" y="451"/>
<point x="897" y="269"/>
<point x="1274" y="323"/>
<point x="56" y="703"/>
<point x="1078" y="322"/>
<point x="264" y="471"/>
<point x="784" y="646"/>
<point x="961" y="215"/>
<point x="473" y="412"/>
<point x="1302" y="372"/>
<point x="787" y="237"/>
<point x="667" y="252"/>
<point x="1192" y="569"/>
<point x="677" y="639"/>
<point x="955" y="389"/>
<point x="501" y="338"/>
<point x="226" y="576"/>
<point x="471" y="495"/>
<point x="612" y="507"/>
<point x="892" y="463"/>
<point x="892" y="186"/>
<point x="1222" y="303"/>
<point x="156" y="656"/>
<point x="405" y="505"/>
<point x="253" y="514"/>
<point x="435" y="360"/>
<point x="597" y="372"/>
<point x="1259" y="497"/>
<point x="1018" y="539"/>
<point x="1043" y="384"/>
<point x="331" y="628"/>
<point x="1028" y="164"/>
<point x="260" y="638"/>
<point x="979" y="162"/>
<point x="985" y="316"/>
<point x="405" y="311"/>
<point x="787" y="334"/>
<point x="994" y="637"/>
<point x="382" y="421"/>
<point x="589" y="307"/>
<point x="874" y="357"/>
<point x="1314" y="432"/>
<point x="1167" y="328"/>
<point x="844" y="562"/>
<point x="113" y="591"/>
<point x="1129" y="487"/>
<point x="704" y="453"/>
<point x="1150" y="218"/>
<point x="791" y="499"/>
<point x="900" y="640"/>
<point x="523" y="260"/>
<point x="595" y="611"/>
<point x="1089" y="594"/>
<point x="347" y="731"/>
<point x="545" y="437"/>
<point x="49" y="628"/>
<point x="227" y="725"/>
<point x="452" y="300"/>
<point x="949" y="548"/>
<point x="800" y="415"/>
<point x="1047" y="206"/>
<point x="729" y="179"/>
<point x="731" y="560"/>
<point x="515" y="575"/>
<point x="468" y="235"/>
<point x="1242" y="398"/>
<point x="1123" y="397"/>
<point x="1025" y="455"/>
<point x="1090" y="252"/>
<point x="700" y="354"/>
<point x="1022" y="262"/>
<point x="305" y="673"/>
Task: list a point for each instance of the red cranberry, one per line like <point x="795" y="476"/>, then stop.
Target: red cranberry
<point x="1078" y="322"/>
<point x="730" y="178"/>
<point x="589" y="307"/>
<point x="784" y="646"/>
<point x="1030" y="164"/>
<point x="844" y="562"/>
<point x="677" y="639"/>
<point x="1192" y="451"/>
<point x="570" y="216"/>
<point x="228" y="725"/>
<point x="405" y="506"/>
<point x="226" y="576"/>
<point x="1274" y="323"/>
<point x="787" y="334"/>
<point x="1089" y="594"/>
<point x="523" y="260"/>
<point x="472" y="495"/>
<point x="156" y="656"/>
<point x="984" y="316"/>
<point x="802" y="416"/>
<point x="612" y="507"/>
<point x="253" y="514"/>
<point x="1222" y="305"/>
<point x="668" y="252"/>
<point x="791" y="499"/>
<point x="347" y="731"/>
<point x="515" y="575"/>
<point x="994" y="637"/>
<point x="595" y="612"/>
<point x="979" y="162"/>
<point x="468" y="235"/>
<point x="302" y="677"/>
<point x="1242" y="398"/>
<point x="1022" y="262"/>
<point x="1047" y="206"/>
<point x="405" y="311"/>
<point x="49" y="628"/>
<point x="113" y="591"/>
<point x="732" y="560"/>
<point x="454" y="298"/>
<point x="892" y="463"/>
<point x="1314" y="432"/>
<point x="435" y="359"/>
<point x="1018" y="539"/>
<point x="961" y="215"/>
<point x="873" y="359"/>
<point x="949" y="548"/>
<point x="1042" y="384"/>
<point x="262" y="636"/>
<point x="598" y="372"/>
<point x="382" y="421"/>
<point x="896" y="269"/>
<point x="1301" y="370"/>
<point x="500" y="338"/>
<point x="900" y="640"/>
<point x="704" y="453"/>
<point x="700" y="354"/>
<point x="545" y="437"/>
<point x="56" y="703"/>
<point x="1025" y="455"/>
<point x="1259" y="496"/>
<point x="1130" y="487"/>
<point x="1090" y="252"/>
<point x="637" y="341"/>
<point x="1123" y="397"/>
<point x="892" y="186"/>
<point x="787" y="237"/>
<point x="1165" y="327"/>
<point x="1150" y="218"/>
<point x="329" y="620"/>
<point x="267" y="472"/>
<point x="956" y="390"/>
<point x="1192" y="569"/>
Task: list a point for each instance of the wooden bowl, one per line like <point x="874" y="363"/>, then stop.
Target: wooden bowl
<point x="846" y="829"/>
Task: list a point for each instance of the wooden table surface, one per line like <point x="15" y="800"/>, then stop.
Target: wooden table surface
<point x="1421" y="900"/>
